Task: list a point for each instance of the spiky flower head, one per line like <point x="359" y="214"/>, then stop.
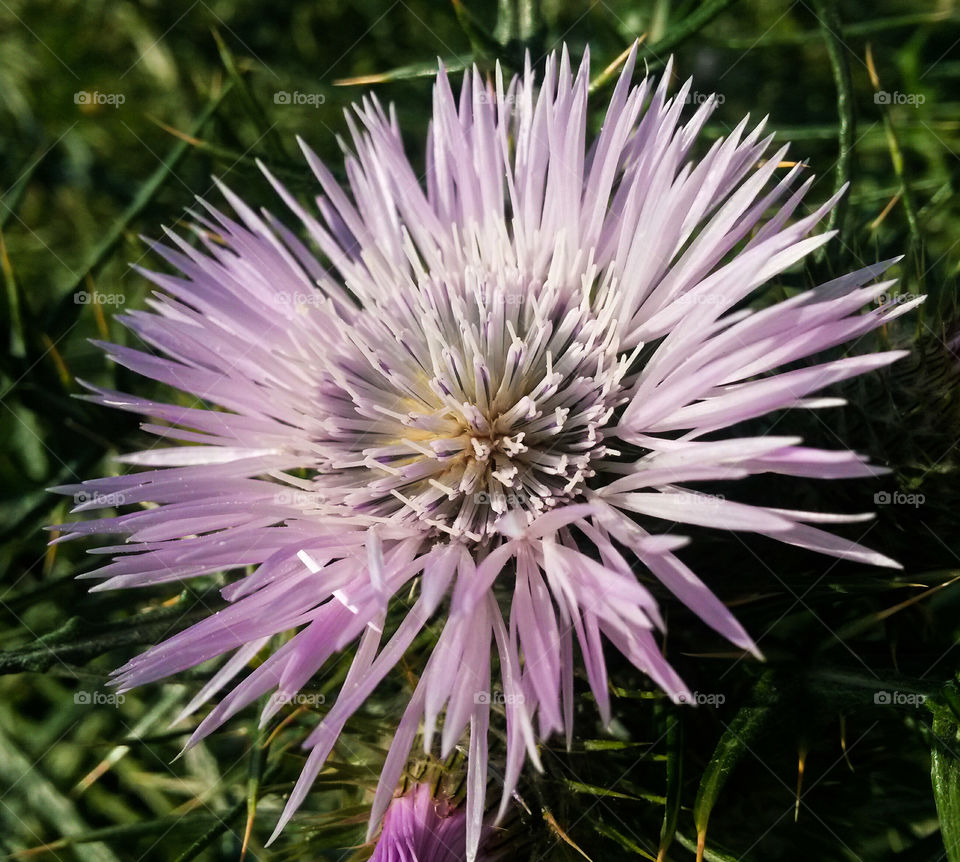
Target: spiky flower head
<point x="423" y="827"/>
<point x="477" y="383"/>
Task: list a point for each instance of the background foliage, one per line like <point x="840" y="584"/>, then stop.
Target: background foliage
<point x="824" y="752"/>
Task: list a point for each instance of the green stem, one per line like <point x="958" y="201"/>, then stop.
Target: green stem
<point x="705" y="13"/>
<point x="831" y="27"/>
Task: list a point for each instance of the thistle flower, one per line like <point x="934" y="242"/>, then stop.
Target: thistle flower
<point x="418" y="826"/>
<point x="476" y="387"/>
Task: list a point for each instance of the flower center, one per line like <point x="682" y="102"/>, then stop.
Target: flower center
<point x="454" y="414"/>
<point x="471" y="468"/>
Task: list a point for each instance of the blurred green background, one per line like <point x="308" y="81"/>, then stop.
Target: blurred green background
<point x="115" y="114"/>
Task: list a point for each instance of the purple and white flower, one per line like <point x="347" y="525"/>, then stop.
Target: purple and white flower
<point x="456" y="400"/>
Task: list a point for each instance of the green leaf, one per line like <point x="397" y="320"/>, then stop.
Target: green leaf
<point x="406" y="73"/>
<point x="945" y="774"/>
<point x="656" y="53"/>
<point x="612" y="744"/>
<point x="223" y="823"/>
<point x="735" y="742"/>
<point x="77" y="641"/>
<point x="46" y="799"/>
<point x="251" y="106"/>
<point x="624" y="841"/>
<point x="593" y="790"/>
<point x="708" y="855"/>
<point x="671" y="810"/>
<point x="839" y="64"/>
<point x="10" y="200"/>
<point x="481" y="41"/>
<point x="518" y="21"/>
